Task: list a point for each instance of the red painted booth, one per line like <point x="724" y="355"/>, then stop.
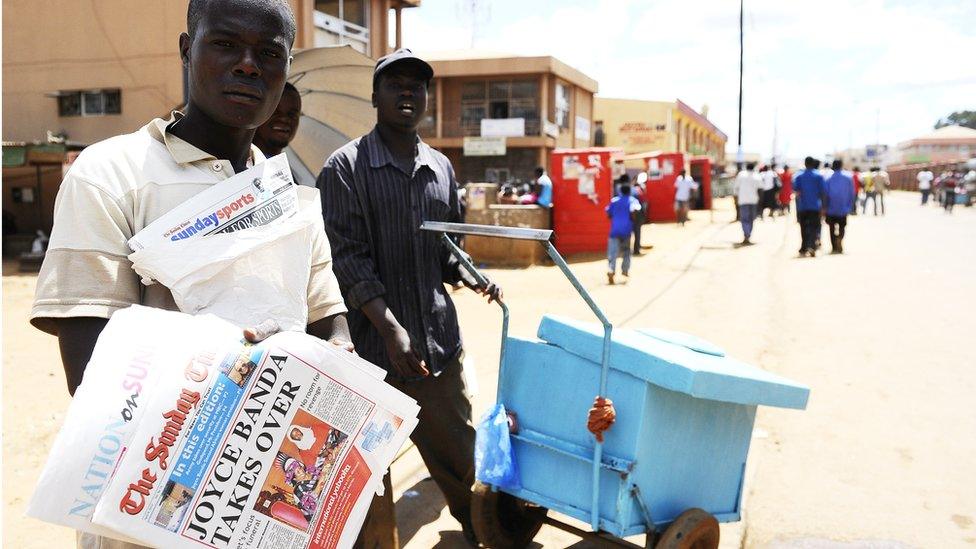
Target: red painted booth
<point x="700" y="169"/>
<point x="582" y="185"/>
<point x="663" y="169"/>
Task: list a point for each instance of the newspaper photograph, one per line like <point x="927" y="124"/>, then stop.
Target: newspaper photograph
<point x="280" y="444"/>
<point x="261" y="195"/>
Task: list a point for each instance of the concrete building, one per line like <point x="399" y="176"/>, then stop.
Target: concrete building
<point x="641" y="126"/>
<point x="946" y="144"/>
<point x="498" y="116"/>
<point x="866" y="157"/>
<point x="81" y="72"/>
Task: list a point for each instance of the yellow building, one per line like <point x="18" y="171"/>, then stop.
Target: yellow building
<point x="641" y="126"/>
<point x="79" y="72"/>
<point x="499" y="116"/>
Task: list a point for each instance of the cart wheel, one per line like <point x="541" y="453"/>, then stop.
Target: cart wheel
<point x="693" y="529"/>
<point x="502" y="521"/>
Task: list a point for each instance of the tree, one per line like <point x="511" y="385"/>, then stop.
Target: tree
<point x="961" y="118"/>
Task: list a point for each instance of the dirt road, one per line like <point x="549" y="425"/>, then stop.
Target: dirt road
<point x="883" y="457"/>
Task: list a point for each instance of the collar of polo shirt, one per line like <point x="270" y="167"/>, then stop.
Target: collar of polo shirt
<point x="185" y="153"/>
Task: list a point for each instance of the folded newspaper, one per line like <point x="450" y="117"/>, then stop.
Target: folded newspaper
<point x="260" y="195"/>
<point x="241" y="250"/>
<point x="182" y="435"/>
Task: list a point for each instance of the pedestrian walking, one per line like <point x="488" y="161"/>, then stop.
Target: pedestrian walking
<point x="639" y="191"/>
<point x="924" y="179"/>
<point x="746" y="189"/>
<point x="684" y="185"/>
<point x="839" y="198"/>
<point x="376" y="191"/>
<point x="881" y="185"/>
<point x="767" y="196"/>
<point x="622" y="210"/>
<point x="856" y="178"/>
<point x="810" y="192"/>
<point x="870" y="192"/>
<point x="785" y="189"/>
<point x="949" y="184"/>
<point x="117" y="187"/>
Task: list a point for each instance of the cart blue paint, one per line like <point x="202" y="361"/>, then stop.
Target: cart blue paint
<point x="685" y="413"/>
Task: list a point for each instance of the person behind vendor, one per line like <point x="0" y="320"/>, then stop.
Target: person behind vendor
<point x="274" y="135"/>
<point x="376" y="191"/>
<point x="236" y="55"/>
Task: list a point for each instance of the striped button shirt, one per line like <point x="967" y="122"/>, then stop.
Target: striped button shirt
<point x="373" y="209"/>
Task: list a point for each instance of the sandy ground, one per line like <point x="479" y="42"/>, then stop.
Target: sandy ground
<point x="883" y="456"/>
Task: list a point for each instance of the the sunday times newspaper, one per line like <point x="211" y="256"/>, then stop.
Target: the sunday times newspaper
<point x="258" y="196"/>
<point x="280" y="444"/>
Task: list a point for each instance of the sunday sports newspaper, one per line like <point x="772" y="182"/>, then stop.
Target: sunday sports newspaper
<point x="280" y="444"/>
<point x="260" y="195"/>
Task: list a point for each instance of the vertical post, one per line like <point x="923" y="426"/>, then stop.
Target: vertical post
<point x="738" y="154"/>
<point x="399" y="27"/>
<point x="604" y="371"/>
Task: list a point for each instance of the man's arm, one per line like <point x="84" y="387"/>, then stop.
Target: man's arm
<point x="76" y="339"/>
<point x="334" y="329"/>
<point x="406" y="360"/>
<point x="353" y="264"/>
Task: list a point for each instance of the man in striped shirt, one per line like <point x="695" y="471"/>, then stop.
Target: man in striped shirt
<point x="376" y="192"/>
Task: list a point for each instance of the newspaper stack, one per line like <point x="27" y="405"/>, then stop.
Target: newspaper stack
<point x="241" y="250"/>
<point x="183" y="435"/>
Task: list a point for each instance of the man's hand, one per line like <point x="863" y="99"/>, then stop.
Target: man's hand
<point x="492" y="290"/>
<point x="264" y="330"/>
<point x="343" y="344"/>
<point x="405" y="359"/>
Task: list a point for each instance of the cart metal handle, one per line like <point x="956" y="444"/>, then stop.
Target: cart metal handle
<point x="543" y="236"/>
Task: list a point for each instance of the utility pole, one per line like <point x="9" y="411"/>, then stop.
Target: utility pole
<point x="738" y="153"/>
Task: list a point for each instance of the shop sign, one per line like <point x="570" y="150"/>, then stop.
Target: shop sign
<point x="551" y="128"/>
<point x="502" y="127"/>
<point x="582" y="128"/>
<point x="484" y="146"/>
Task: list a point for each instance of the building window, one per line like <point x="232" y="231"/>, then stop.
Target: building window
<point x="562" y="105"/>
<point x="89" y="103"/>
<point x="340" y="22"/>
<point x="499" y="99"/>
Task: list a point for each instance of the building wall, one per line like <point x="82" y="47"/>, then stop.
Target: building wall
<point x="636" y="126"/>
<point x="52" y="45"/>
<point x="63" y="45"/>
<point x="523" y="154"/>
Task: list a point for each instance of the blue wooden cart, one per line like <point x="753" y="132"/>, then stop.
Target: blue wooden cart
<point x="671" y="467"/>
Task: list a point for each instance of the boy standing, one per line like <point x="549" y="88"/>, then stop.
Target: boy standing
<point x="622" y="212"/>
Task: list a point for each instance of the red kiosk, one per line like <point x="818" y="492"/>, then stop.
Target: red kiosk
<point x="663" y="169"/>
<point x="582" y="186"/>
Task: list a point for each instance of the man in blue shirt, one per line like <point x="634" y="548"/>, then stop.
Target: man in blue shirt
<point x="840" y="201"/>
<point x="621" y="211"/>
<point x="810" y="193"/>
<point x="543" y="188"/>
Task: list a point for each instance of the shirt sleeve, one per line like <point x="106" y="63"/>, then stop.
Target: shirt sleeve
<point x="86" y="270"/>
<point x="348" y="233"/>
<point x="324" y="296"/>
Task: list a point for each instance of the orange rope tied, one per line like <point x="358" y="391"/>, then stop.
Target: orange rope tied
<point x="601" y="417"/>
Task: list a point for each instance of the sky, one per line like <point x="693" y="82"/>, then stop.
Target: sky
<point x="827" y="74"/>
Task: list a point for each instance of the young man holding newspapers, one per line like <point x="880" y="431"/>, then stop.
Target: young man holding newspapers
<point x="376" y="192"/>
<point x="237" y="54"/>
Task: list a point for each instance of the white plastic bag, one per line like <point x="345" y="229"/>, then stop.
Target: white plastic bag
<point x="244" y="277"/>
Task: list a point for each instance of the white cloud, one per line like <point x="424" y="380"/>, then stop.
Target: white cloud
<point x="825" y="68"/>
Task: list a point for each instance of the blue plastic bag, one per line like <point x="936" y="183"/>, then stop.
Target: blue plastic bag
<point x="494" y="460"/>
